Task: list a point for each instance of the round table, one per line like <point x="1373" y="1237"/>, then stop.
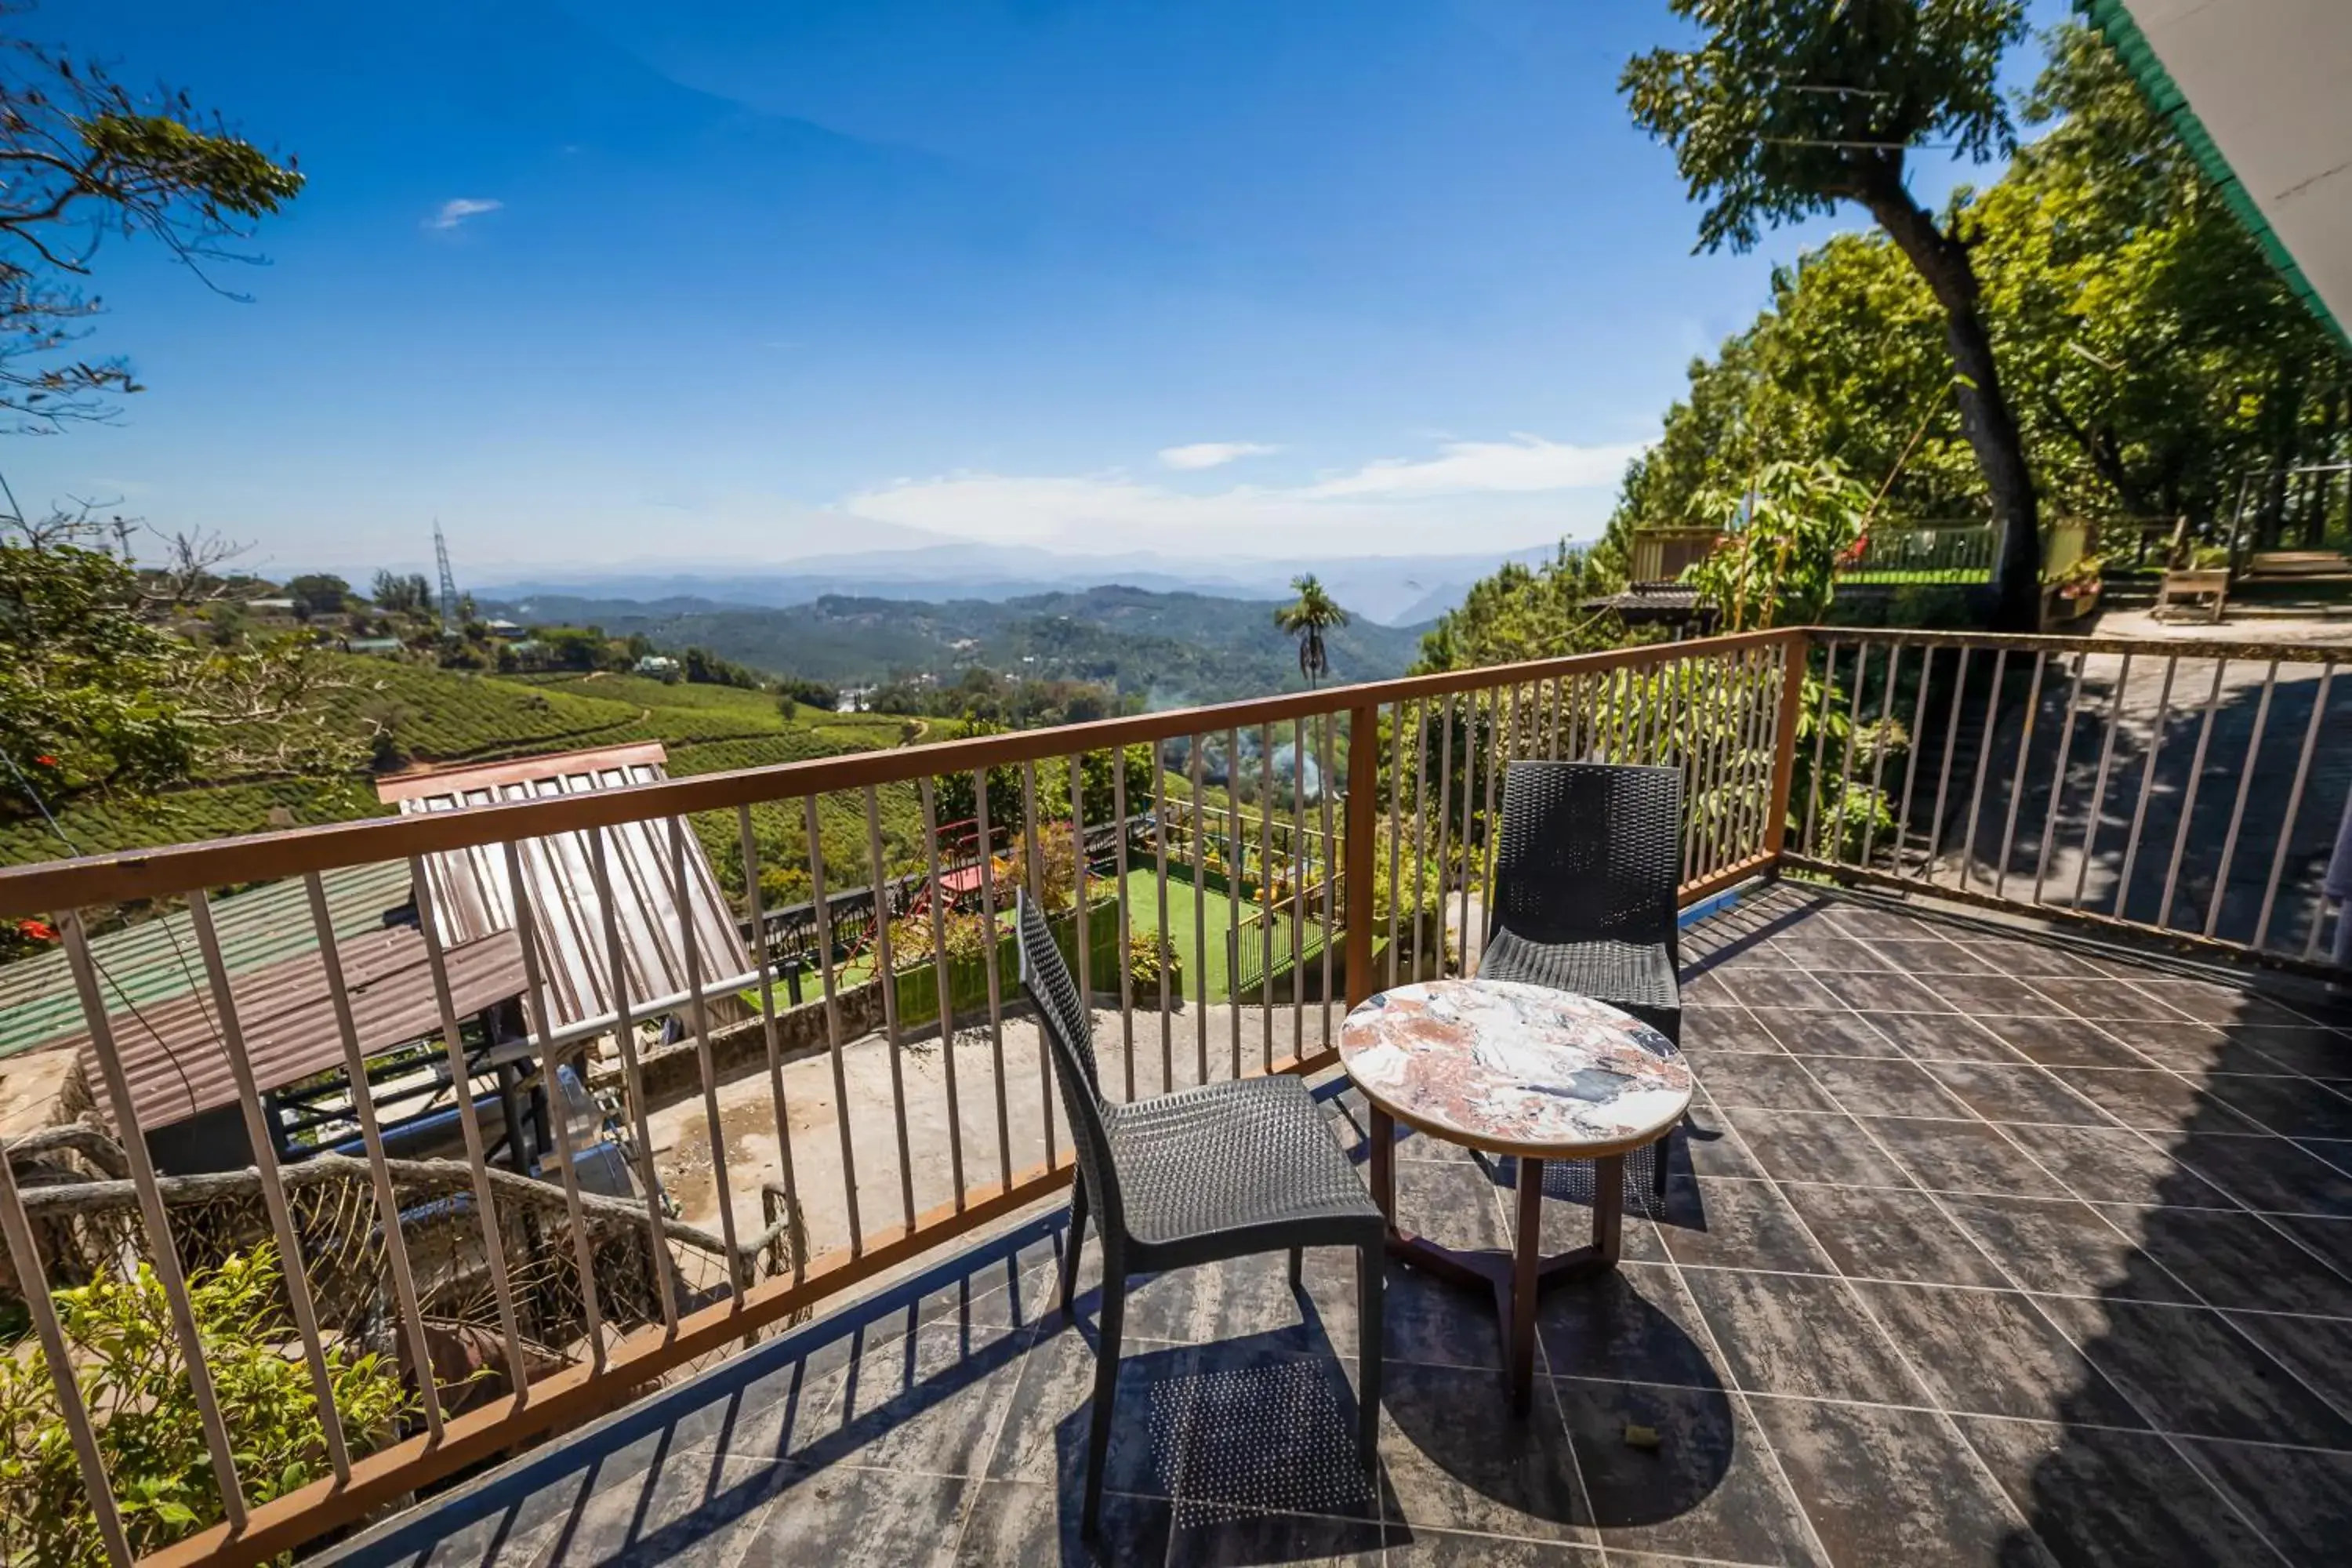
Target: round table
<point x="1522" y="1070"/>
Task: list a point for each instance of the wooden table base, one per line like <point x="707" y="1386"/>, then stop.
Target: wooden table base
<point x="1517" y="1277"/>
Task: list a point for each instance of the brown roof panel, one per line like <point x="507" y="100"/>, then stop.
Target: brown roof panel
<point x="177" y="1063"/>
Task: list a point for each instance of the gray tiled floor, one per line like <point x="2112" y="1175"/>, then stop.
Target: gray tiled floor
<point x="1977" y="1252"/>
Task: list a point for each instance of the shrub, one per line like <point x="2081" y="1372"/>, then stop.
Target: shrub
<point x="128" y="1365"/>
<point x="1144" y="968"/>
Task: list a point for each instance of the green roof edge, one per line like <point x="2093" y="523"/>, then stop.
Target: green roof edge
<point x="2164" y="95"/>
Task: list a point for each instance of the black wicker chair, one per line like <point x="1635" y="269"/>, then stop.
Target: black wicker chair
<point x="1584" y="891"/>
<point x="1220" y="1171"/>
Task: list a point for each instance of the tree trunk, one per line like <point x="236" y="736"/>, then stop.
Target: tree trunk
<point x="1985" y="414"/>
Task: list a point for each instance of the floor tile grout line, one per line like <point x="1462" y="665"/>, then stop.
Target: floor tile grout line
<point x="1862" y="1301"/>
<point x="2323" y="1085"/>
<point x="1992" y="1290"/>
<point x="1543" y="1357"/>
<point x="2130" y="1401"/>
<point x="2148" y="1431"/>
<point x="2261" y="1216"/>
<point x="1731" y="1387"/>
<point x="987" y="1457"/>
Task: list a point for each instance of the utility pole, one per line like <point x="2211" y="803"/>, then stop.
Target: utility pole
<point x="448" y="581"/>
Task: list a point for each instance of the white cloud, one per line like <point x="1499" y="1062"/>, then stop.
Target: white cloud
<point x="1471" y="495"/>
<point x="457" y="210"/>
<point x="1212" y="454"/>
<point x="1520" y="464"/>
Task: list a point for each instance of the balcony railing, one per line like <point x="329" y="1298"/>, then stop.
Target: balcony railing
<point x="860" y="1140"/>
<point x="1958" y="553"/>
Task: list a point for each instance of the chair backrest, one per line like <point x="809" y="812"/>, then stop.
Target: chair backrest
<point x="1589" y="852"/>
<point x="1068" y="1029"/>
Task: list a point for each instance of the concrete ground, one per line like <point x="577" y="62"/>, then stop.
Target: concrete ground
<point x="1000" y="1098"/>
<point x="999" y="1122"/>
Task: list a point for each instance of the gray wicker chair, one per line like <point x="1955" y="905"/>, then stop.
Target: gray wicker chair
<point x="1584" y="892"/>
<point x="1220" y="1171"/>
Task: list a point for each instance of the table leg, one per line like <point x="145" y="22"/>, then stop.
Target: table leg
<point x="1382" y="1134"/>
<point x="1608" y="1207"/>
<point x="1526" y="1270"/>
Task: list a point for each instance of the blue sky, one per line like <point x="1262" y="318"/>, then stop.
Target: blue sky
<point x="697" y="285"/>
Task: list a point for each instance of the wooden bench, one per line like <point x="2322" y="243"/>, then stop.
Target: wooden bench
<point x="2275" y="564"/>
<point x="2200" y="592"/>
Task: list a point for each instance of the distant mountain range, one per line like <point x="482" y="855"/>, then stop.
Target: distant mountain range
<point x="1171" y="649"/>
<point x="1392" y="590"/>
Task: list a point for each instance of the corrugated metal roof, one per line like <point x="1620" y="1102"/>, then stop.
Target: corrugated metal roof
<point x="150" y="963"/>
<point x="173" y="1055"/>
<point x="471" y="898"/>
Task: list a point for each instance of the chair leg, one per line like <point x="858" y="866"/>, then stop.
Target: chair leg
<point x="1071" y="1243"/>
<point x="1298" y="1266"/>
<point x="1371" y="1263"/>
<point x="1107" y="1324"/>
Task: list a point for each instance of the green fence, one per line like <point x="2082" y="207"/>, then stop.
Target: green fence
<point x="1261" y="946"/>
<point x="918" y="982"/>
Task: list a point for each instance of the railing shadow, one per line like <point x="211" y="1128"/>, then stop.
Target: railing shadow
<point x="2224" y="1331"/>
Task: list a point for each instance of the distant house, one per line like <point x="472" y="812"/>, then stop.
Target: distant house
<point x="271" y="606"/>
<point x="389" y="648"/>
<point x="506" y="629"/>
<point x="657" y="666"/>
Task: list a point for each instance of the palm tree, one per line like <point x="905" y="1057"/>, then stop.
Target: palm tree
<point x="1313" y="614"/>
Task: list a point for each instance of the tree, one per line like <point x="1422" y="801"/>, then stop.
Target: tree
<point x="132" y="1381"/>
<point x="402" y="595"/>
<point x="318" y="593"/>
<point x="2156" y="356"/>
<point x="1786" y="109"/>
<point x="1307" y="618"/>
<point x="1519" y="614"/>
<point x="1782" y="537"/>
<point x="98" y="690"/>
<point x="82" y="157"/>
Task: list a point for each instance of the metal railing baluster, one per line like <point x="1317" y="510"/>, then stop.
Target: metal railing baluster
<point x="163" y="1246"/>
<point x="2017" y="780"/>
<point x="2293" y="806"/>
<point x="262" y="1136"/>
<point x="824" y="909"/>
<point x="2146" y="787"/>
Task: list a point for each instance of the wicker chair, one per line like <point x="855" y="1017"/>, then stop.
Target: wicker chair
<point x="1217" y="1172"/>
<point x="1584" y="892"/>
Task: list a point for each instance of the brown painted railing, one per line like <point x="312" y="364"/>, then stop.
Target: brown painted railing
<point x="2187" y="791"/>
<point x="587" y="1298"/>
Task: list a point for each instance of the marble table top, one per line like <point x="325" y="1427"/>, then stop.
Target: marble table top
<point x="1511" y="1067"/>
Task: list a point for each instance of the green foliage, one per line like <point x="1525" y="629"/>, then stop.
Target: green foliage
<point x="1782" y="537"/>
<point x="318" y="593"/>
<point x="704" y="667"/>
<point x="1307" y="619"/>
<point x="84" y="685"/>
<point x="1522" y="614"/>
<point x="89" y="157"/>
<point x="1844" y="802"/>
<point x="133" y="1380"/>
<point x="1132" y="642"/>
<point x="1784" y="110"/>
<point x="400" y="595"/>
<point x="98" y="693"/>
<point x="2153" y="354"/>
<point x="1148" y="969"/>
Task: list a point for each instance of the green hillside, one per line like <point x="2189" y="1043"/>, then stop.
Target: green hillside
<point x="1167" y="648"/>
<point x="438" y="718"/>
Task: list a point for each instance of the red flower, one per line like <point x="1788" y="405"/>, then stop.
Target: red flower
<point x="46" y="760"/>
<point x="36" y="930"/>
